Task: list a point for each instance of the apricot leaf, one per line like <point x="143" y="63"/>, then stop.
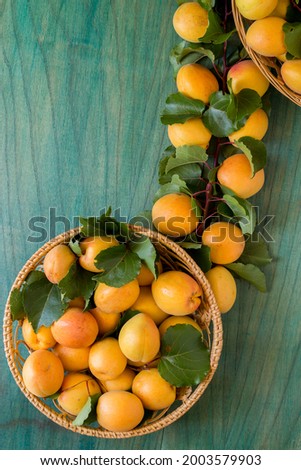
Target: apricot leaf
<point x="254" y="150"/>
<point x="201" y="257"/>
<point x="243" y="211"/>
<point x="250" y="273"/>
<point x="78" y="282"/>
<point x="179" y="108"/>
<point x="255" y="252"/>
<point x="176" y="185"/>
<point x="216" y="117"/>
<point x="16" y="304"/>
<point x="185" y="359"/>
<point x="99" y="226"/>
<point x="215" y="33"/>
<point x="189" y="53"/>
<point x="292" y="39"/>
<point x="143" y="247"/>
<point x="87" y="414"/>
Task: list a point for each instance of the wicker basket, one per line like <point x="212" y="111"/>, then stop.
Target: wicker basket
<point x="269" y="66"/>
<point x="208" y="317"/>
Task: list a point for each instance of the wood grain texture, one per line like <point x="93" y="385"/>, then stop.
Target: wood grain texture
<point x="82" y="84"/>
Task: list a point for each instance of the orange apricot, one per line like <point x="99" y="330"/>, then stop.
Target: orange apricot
<point x="145" y="276"/>
<point x="190" y="21"/>
<point x="57" y="263"/>
<point x="266" y="36"/>
<point x="223" y="286"/>
<point x="154" y="391"/>
<point x="119" y="410"/>
<point x="122" y="382"/>
<point x="116" y="299"/>
<point x="196" y="81"/>
<point x="43" y="339"/>
<point x="106" y="359"/>
<point x="146" y="304"/>
<point x="225" y="240"/>
<point x="75" y="391"/>
<point x="73" y="359"/>
<point x="75" y="328"/>
<point x="43" y="373"/>
<point x="191" y="132"/>
<point x="246" y="74"/>
<point x="179" y="320"/>
<point x="254" y="9"/>
<point x="256" y="126"/>
<point x="107" y="322"/>
<point x="91" y="247"/>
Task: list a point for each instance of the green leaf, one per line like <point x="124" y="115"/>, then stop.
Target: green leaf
<point x="99" y="226"/>
<point x="143" y="247"/>
<point x="189" y="53"/>
<point x="201" y="257"/>
<point x="16" y="304"/>
<point x="185" y="360"/>
<point x="255" y="252"/>
<point x="254" y="150"/>
<point x="42" y="302"/>
<point x="176" y="185"/>
<point x="179" y="108"/>
<point x="293" y="38"/>
<point x="120" y="266"/>
<point x="244" y="211"/>
<point x="78" y="282"/>
<point x="215" y="33"/>
<point x="246" y="102"/>
<point x="74" y="245"/>
<point x="250" y="273"/>
<point x="216" y="117"/>
<point x="185" y="155"/>
<point x="87" y="414"/>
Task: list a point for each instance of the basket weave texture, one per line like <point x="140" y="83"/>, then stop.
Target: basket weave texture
<point x="208" y="316"/>
<point x="269" y="66"/>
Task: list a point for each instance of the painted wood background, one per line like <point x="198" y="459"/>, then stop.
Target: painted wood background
<point x="82" y="85"/>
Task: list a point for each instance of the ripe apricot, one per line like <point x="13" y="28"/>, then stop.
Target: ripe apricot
<point x="281" y="9"/>
<point x="76" y="389"/>
<point x="255" y="9"/>
<point x="177" y="293"/>
<point x="191" y="132"/>
<point x="256" y="126"/>
<point x="145" y="276"/>
<point x="139" y="338"/>
<point x="75" y="328"/>
<point x="122" y="382"/>
<point x="180" y="320"/>
<point x="57" y="263"/>
<point x="196" y="81"/>
<point x="91" y="247"/>
<point x="235" y="173"/>
<point x="107" y="322"/>
<point x="174" y="215"/>
<point x="146" y="304"/>
<point x="223" y="286"/>
<point x="106" y="359"/>
<point x="154" y="391"/>
<point x="43" y="339"/>
<point x="78" y="302"/>
<point x="245" y="74"/>
<point x="266" y="36"/>
<point x="116" y="299"/>
<point x="190" y="21"/>
<point x="119" y="410"/>
<point x="43" y="373"/>
<point x="73" y="359"/>
<point x="291" y="74"/>
<point x="225" y="240"/>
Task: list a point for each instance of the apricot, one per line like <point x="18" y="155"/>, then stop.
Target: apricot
<point x="174" y="215"/>
<point x="57" y="263"/>
<point x="107" y="322"/>
<point x="122" y="382"/>
<point x="291" y="74"/>
<point x="106" y="359"/>
<point x="139" y="338"/>
<point x="146" y="304"/>
<point x="78" y="302"/>
<point x="177" y="293"/>
<point x="196" y="81"/>
<point x="191" y="132"/>
<point x="266" y="36"/>
<point x="256" y="126"/>
<point x="75" y="328"/>
<point x="245" y="74"/>
<point x="76" y="389"/>
<point x="145" y="276"/>
<point x="223" y="286"/>
<point x="255" y="9"/>
<point x="190" y="21"/>
<point x="154" y="391"/>
<point x="73" y="359"/>
<point x="91" y="247"/>
<point x="180" y="320"/>
<point x="116" y="299"/>
<point x="281" y="9"/>
<point x="43" y="339"/>
<point x="235" y="173"/>
<point x="43" y="373"/>
<point x="225" y="240"/>
<point x="119" y="410"/>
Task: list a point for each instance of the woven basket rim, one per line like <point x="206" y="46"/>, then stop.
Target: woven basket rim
<point x="60" y="419"/>
<point x="263" y="63"/>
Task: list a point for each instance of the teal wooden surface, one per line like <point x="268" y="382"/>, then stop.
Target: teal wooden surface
<point x="82" y="84"/>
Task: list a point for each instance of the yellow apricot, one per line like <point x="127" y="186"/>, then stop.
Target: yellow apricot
<point x="190" y="21"/>
<point x="191" y="132"/>
<point x="43" y="339"/>
<point x="75" y="328"/>
<point x="256" y="126"/>
<point x="180" y="320"/>
<point x="145" y="276"/>
<point x="281" y="9"/>
<point x="223" y="286"/>
<point x="73" y="359"/>
<point x="76" y="389"/>
<point x="57" y="263"/>
<point x="177" y="293"/>
<point x="196" y="81"/>
<point x="225" y="240"/>
<point x="107" y="322"/>
<point x="174" y="215"/>
<point x="106" y="359"/>
<point x="235" y="173"/>
<point x="266" y="36"/>
<point x="43" y="373"/>
<point x="245" y="74"/>
<point x="146" y="304"/>
<point x="122" y="382"/>
<point x="255" y="9"/>
<point x="116" y="299"/>
<point x="291" y="74"/>
<point x="139" y="338"/>
<point x="154" y="391"/>
<point x="119" y="411"/>
<point x="78" y="302"/>
<point x="91" y="247"/>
